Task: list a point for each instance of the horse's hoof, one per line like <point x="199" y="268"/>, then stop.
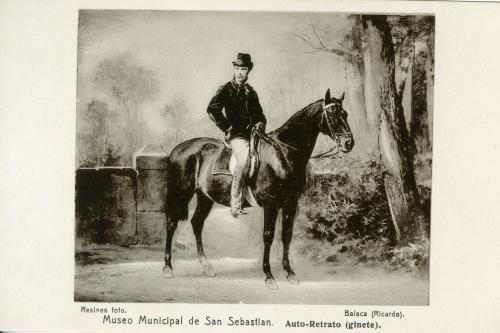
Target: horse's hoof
<point x="271" y="284"/>
<point x="168" y="273"/>
<point x="292" y="279"/>
<point x="209" y="271"/>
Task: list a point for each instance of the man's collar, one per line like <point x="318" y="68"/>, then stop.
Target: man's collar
<point x="237" y="85"/>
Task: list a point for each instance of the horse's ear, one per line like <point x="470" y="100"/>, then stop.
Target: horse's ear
<point x="327" y="97"/>
<point x="341" y="99"/>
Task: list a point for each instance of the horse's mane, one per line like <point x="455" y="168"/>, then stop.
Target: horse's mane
<point x="303" y="113"/>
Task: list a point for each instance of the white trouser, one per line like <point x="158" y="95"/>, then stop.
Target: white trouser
<point x="240" y="149"/>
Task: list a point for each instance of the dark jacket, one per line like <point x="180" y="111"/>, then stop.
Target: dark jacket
<point x="241" y="107"/>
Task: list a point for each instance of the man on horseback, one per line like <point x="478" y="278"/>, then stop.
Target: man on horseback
<point x="242" y="114"/>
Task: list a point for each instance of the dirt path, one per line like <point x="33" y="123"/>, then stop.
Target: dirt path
<point x="113" y="274"/>
<point x="240" y="280"/>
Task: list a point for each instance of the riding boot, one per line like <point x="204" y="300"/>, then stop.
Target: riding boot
<point x="237" y="193"/>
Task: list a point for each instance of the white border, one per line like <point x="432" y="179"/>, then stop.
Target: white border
<point x="37" y="126"/>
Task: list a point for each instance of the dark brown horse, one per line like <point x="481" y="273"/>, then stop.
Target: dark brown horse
<point x="277" y="184"/>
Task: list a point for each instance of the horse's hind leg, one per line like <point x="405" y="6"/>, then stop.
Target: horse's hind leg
<point x="203" y="207"/>
<point x="177" y="210"/>
<point x="181" y="183"/>
<point x="270" y="214"/>
<point x="171" y="227"/>
<point x="288" y="212"/>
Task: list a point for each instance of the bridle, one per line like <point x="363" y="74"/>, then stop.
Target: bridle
<point x="336" y="136"/>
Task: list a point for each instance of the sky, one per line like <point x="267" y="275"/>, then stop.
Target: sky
<point x="192" y="53"/>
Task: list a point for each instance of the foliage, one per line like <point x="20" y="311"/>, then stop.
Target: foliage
<point x="355" y="202"/>
<point x="111" y="158"/>
<point x="413" y="257"/>
<point x="345" y="215"/>
<point x="406" y="30"/>
<point x="125" y="80"/>
<point x="130" y="85"/>
<point x="176" y="117"/>
<point x="97" y="138"/>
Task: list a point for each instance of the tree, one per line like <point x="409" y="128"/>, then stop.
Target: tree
<point x="393" y="136"/>
<point x="352" y="52"/>
<point x="429" y="72"/>
<point x="175" y="115"/>
<point x="110" y="157"/>
<point x="130" y="85"/>
<point x="96" y="137"/>
<point x="414" y="54"/>
<point x="419" y="125"/>
<point x="389" y="61"/>
<point x="355" y="72"/>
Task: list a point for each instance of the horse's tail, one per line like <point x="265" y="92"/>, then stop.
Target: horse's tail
<point x="176" y="205"/>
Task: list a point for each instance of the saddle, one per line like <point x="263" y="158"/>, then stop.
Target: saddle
<point x="225" y="161"/>
<point x="221" y="165"/>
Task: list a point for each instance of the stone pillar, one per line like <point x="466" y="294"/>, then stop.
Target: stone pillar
<point x="151" y="166"/>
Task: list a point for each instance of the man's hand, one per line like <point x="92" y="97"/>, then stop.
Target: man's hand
<point x="227" y="136"/>
<point x="260" y="127"/>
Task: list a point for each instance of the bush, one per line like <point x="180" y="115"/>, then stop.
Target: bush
<point x="110" y="157"/>
<point x="413" y="257"/>
<point x="350" y="201"/>
<point x="345" y="215"/>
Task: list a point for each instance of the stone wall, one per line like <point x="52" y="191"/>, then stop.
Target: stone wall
<point x="105" y="205"/>
<point x="123" y="206"/>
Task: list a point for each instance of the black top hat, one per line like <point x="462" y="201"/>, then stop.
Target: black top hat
<point x="243" y="60"/>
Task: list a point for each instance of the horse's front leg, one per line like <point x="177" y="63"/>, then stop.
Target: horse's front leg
<point x="288" y="216"/>
<point x="270" y="214"/>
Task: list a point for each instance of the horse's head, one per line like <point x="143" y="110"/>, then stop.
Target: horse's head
<point x="334" y="122"/>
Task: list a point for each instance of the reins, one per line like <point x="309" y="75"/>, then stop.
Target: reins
<point x="333" y="152"/>
<point x="276" y="144"/>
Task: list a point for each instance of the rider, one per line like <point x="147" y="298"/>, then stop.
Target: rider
<point x="242" y="113"/>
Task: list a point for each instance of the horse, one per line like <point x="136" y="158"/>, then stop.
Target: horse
<point x="277" y="183"/>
